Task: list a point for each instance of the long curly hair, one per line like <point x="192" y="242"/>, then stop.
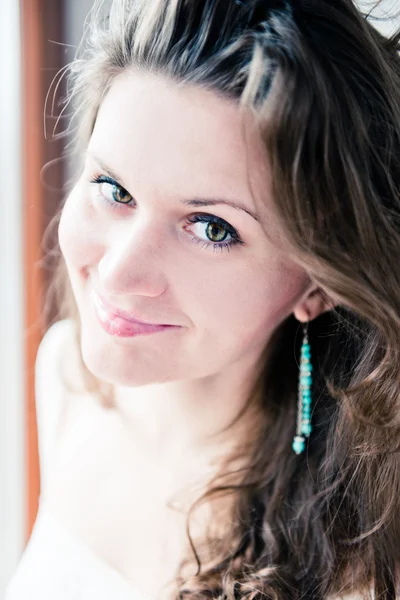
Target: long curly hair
<point x="324" y="87"/>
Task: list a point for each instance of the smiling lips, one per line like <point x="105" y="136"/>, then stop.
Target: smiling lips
<point x="120" y="323"/>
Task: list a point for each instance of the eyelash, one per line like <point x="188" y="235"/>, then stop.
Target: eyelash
<point x="197" y="218"/>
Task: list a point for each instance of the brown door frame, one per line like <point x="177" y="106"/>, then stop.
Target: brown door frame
<point x="41" y="22"/>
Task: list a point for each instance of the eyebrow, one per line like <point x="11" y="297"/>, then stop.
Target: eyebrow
<point x="190" y="202"/>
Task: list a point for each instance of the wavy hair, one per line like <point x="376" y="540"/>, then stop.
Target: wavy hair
<point x="324" y="86"/>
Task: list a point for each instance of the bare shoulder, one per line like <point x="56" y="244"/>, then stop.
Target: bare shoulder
<point x="59" y="366"/>
<point x="54" y="350"/>
<point x="67" y="408"/>
<point x="54" y="337"/>
<point x="50" y="397"/>
<point x="61" y="392"/>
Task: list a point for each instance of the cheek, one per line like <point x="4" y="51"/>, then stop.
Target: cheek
<point x="252" y="301"/>
<point x="78" y="234"/>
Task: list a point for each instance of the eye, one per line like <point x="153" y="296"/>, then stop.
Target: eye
<point x="220" y="235"/>
<point x="111" y="191"/>
<point x="217" y="231"/>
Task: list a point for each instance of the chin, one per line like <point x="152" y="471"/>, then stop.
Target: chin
<point x="120" y="364"/>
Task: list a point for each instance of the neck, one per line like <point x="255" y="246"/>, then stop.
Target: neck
<point x="178" y="421"/>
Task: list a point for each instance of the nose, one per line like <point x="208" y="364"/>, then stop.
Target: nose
<point x="133" y="263"/>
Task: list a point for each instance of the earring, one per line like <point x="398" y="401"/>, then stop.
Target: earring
<point x="304" y="428"/>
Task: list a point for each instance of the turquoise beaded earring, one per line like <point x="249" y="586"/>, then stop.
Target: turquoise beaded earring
<point x="303" y="428"/>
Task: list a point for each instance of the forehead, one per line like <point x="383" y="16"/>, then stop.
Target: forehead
<point x="182" y="140"/>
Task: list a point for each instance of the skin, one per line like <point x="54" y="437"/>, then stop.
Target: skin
<point x="167" y="144"/>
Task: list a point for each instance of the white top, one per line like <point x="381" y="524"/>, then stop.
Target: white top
<point x="55" y="565"/>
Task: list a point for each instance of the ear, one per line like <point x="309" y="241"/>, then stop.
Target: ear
<point x="315" y="303"/>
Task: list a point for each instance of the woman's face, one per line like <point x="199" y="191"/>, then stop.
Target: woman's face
<point x="151" y="237"/>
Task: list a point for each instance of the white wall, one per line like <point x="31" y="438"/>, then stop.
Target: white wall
<point x="387" y="8"/>
<point x="12" y="417"/>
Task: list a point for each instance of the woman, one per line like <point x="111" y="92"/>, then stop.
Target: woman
<point x="230" y="270"/>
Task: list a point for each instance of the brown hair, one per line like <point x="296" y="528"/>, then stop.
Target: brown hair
<point x="324" y="86"/>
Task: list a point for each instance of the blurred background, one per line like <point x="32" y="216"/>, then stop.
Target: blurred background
<point x="37" y="39"/>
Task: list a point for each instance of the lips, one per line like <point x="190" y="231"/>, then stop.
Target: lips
<point x="115" y="312"/>
<point x="121" y="323"/>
